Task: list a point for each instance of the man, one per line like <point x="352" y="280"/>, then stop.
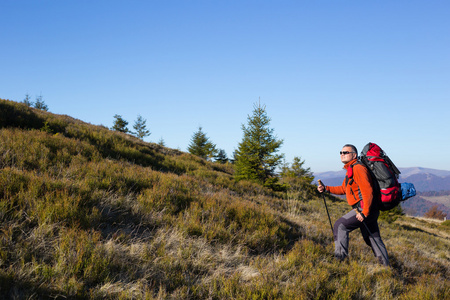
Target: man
<point x="357" y="187"/>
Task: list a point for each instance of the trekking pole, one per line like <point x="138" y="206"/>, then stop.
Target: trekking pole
<point x="373" y="238"/>
<point x="323" y="196"/>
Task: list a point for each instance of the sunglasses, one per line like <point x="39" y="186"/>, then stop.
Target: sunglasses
<point x="345" y="152"/>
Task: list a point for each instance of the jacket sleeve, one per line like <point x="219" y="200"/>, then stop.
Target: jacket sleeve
<point x="364" y="181"/>
<point x="337" y="190"/>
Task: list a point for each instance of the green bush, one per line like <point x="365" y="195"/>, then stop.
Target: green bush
<point x="446" y="223"/>
<point x="391" y="215"/>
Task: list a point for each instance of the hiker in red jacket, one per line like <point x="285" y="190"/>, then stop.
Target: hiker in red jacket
<point x="357" y="187"/>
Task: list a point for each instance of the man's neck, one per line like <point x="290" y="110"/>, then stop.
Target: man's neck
<point x="350" y="163"/>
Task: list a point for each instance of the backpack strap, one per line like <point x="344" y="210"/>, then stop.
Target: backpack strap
<point x="349" y="174"/>
<point x="349" y="180"/>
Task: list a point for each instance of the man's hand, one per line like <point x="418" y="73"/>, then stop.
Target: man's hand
<point x="321" y="188"/>
<point x="360" y="216"/>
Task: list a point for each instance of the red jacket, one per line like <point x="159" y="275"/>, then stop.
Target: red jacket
<point x="358" y="189"/>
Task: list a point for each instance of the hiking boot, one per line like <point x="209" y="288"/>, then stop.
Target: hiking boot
<point x="381" y="261"/>
<point x="340" y="258"/>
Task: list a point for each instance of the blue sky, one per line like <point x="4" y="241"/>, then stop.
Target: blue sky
<point x="328" y="72"/>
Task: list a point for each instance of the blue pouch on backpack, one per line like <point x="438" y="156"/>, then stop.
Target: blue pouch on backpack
<point x="408" y="190"/>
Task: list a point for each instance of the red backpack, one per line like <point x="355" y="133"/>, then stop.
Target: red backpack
<point x="385" y="175"/>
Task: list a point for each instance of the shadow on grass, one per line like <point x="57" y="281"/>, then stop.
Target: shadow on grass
<point x="17" y="288"/>
<point x="411" y="228"/>
<point x="123" y="224"/>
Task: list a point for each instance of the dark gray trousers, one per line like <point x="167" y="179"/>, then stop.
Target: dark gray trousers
<point x="348" y="223"/>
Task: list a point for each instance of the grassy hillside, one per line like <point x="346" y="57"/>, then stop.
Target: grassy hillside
<point x="93" y="214"/>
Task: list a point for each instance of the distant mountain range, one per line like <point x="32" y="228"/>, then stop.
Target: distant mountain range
<point x="424" y="180"/>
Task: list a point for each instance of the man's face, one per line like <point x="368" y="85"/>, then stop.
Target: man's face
<point x="347" y="155"/>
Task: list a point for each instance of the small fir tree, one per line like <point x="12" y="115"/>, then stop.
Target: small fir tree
<point x="141" y="128"/>
<point x="297" y="179"/>
<point x="221" y="156"/>
<point x="120" y="124"/>
<point x="201" y="145"/>
<point x="46" y="128"/>
<point x="256" y="158"/>
<point x="296" y="170"/>
<point x="27" y="100"/>
<point x="40" y="104"/>
<point x="161" y="142"/>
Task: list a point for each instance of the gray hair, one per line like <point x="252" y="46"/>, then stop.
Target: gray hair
<point x="353" y="148"/>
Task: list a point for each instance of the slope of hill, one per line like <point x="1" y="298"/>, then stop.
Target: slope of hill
<point x="93" y="214"/>
<point x="418" y="206"/>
